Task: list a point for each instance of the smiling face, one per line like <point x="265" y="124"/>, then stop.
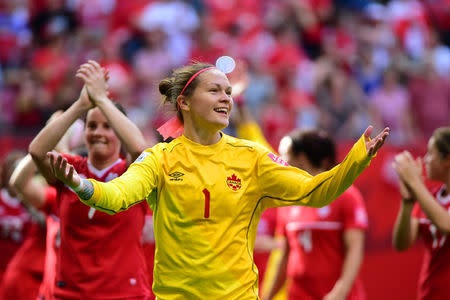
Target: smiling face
<point x="210" y="104"/>
<point x="102" y="143"/>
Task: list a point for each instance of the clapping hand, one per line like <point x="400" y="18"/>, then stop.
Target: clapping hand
<point x="407" y="168"/>
<point x="95" y="79"/>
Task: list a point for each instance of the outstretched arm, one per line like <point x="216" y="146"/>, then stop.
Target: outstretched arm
<point x="129" y="134"/>
<point x="282" y="185"/>
<point x="116" y="195"/>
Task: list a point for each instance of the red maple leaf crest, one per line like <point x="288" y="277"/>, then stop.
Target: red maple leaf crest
<point x="234" y="183"/>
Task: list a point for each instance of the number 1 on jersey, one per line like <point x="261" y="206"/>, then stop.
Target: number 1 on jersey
<point x="207" y="198"/>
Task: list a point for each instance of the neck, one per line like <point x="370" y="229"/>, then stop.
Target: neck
<point x="315" y="171"/>
<point x="199" y="134"/>
<point x="101" y="163"/>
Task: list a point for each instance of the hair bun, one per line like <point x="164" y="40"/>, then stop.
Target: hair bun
<point x="165" y="86"/>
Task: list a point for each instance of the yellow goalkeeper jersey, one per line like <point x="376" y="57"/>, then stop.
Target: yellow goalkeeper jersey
<point x="207" y="202"/>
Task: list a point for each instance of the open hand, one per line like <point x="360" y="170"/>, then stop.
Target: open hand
<point x="373" y="145"/>
<point x="62" y="170"/>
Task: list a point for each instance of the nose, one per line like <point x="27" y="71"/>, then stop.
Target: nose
<point x="99" y="130"/>
<point x="225" y="98"/>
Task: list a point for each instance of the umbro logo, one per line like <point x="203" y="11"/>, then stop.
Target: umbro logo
<point x="176" y="176"/>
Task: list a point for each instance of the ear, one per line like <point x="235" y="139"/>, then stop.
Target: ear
<point x="183" y="103"/>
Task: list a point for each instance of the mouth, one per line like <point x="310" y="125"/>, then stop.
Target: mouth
<point x="97" y="143"/>
<point x="222" y="110"/>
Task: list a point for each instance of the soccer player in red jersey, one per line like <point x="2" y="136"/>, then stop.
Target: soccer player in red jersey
<point x="323" y="247"/>
<point x="24" y="273"/>
<point x="100" y="256"/>
<point x="14" y="219"/>
<point x="425" y="213"/>
<point x="27" y="265"/>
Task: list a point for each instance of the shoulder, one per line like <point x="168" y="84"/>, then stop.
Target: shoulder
<point x="351" y="198"/>
<point x="234" y="142"/>
<point x="353" y="193"/>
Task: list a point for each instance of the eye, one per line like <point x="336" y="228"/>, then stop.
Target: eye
<point x="91" y="125"/>
<point x="214" y="90"/>
<point x="228" y="92"/>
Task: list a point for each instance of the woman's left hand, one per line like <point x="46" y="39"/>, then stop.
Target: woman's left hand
<point x="407" y="168"/>
<point x="373" y="145"/>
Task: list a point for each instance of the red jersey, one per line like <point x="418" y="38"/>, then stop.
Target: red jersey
<point x="317" y="250"/>
<point x="435" y="273"/>
<point x="266" y="227"/>
<point x="46" y="289"/>
<point x="27" y="265"/>
<point x="14" y="225"/>
<point x="101" y="255"/>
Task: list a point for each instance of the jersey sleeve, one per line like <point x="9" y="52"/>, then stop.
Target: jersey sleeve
<point x="251" y="131"/>
<point x="282" y="185"/>
<point x="416" y="212"/>
<point x="280" y="227"/>
<point x="49" y="206"/>
<point x="130" y="188"/>
<point x="353" y="210"/>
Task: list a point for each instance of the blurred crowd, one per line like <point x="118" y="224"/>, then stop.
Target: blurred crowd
<point x="338" y="65"/>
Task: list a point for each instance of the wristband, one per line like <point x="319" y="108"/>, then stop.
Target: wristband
<point x="408" y="200"/>
<point x="79" y="187"/>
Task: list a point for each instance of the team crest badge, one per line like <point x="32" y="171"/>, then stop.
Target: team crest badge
<point x="234" y="183"/>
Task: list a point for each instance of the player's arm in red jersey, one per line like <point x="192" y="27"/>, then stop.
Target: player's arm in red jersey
<point x="406" y="227"/>
<point x="128" y="133"/>
<point x="355" y="224"/>
<point x="437" y="161"/>
<point x="31" y="190"/>
<point x="49" y="136"/>
<point x="280" y="272"/>
<point x="354" y="252"/>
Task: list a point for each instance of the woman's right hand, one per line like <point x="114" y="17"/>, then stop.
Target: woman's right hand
<point x="62" y="170"/>
<point x="407" y="168"/>
<point x="406" y="194"/>
<point x="95" y="80"/>
<point x="84" y="99"/>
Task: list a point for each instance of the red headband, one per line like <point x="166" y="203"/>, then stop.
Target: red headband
<point x="193" y="77"/>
